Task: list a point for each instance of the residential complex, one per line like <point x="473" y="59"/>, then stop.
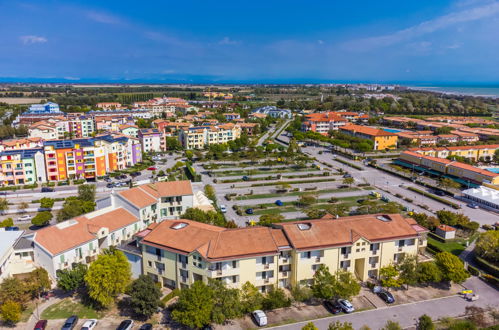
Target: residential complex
<point x="47" y="108"/>
<point x="118" y="217"/>
<point x="382" y="139"/>
<point x="202" y="136"/>
<point x="273" y="111"/>
<point x="177" y="253"/>
<point x="323" y="122"/>
<point x="475" y="153"/>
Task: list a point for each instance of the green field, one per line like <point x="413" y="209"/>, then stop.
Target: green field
<point x="295" y="193"/>
<point x="68" y="307"/>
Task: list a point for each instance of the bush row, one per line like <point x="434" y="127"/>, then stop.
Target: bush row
<point x="435" y="197"/>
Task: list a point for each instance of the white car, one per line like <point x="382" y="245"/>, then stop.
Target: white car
<point x="223" y="208"/>
<point x="89" y="324"/>
<point x="25" y="217"/>
<point x="260" y="318"/>
<point x="346" y="306"/>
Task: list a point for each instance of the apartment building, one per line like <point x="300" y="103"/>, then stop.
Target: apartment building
<point x="476" y="152"/>
<point x="323" y="122"/>
<point x="177" y="253"/>
<point x="202" y="136"/>
<point x="17" y="144"/>
<point x="272" y="111"/>
<point x="108" y="105"/>
<point x="118" y="217"/>
<point x="464" y="173"/>
<point x="129" y="130"/>
<point x="150" y="139"/>
<point x="21" y="167"/>
<point x="382" y="139"/>
<point x="7" y="254"/>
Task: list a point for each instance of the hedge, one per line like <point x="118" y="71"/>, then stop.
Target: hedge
<point x="435" y="197"/>
<point x="191" y="174"/>
<point x="487" y="266"/>
<point x="357" y="167"/>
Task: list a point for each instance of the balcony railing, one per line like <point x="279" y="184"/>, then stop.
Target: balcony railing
<point x="266" y="266"/>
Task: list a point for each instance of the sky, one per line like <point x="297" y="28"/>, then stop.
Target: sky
<point x="411" y="41"/>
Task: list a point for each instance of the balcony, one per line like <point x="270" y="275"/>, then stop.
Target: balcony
<point x="375" y="251"/>
<point x="284" y="274"/>
<point x="266" y="266"/>
<point x="318" y="259"/>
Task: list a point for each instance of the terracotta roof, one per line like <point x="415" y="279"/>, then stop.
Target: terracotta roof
<point x="474" y="169"/>
<point x="343" y="231"/>
<point x="148" y="194"/>
<point x="366" y="130"/>
<point x="112" y="220"/>
<point x="325" y="117"/>
<point x="446" y="228"/>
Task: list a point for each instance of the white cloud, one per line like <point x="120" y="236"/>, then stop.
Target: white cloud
<point x="424" y="28"/>
<point x="104" y="18"/>
<point x="228" y="41"/>
<point x="28" y="40"/>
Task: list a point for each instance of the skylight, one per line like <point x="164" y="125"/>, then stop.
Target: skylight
<point x="384" y="218"/>
<point x="179" y="225"/>
<point x="304" y="226"/>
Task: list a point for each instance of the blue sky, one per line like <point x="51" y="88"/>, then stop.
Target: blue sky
<point x="250" y="41"/>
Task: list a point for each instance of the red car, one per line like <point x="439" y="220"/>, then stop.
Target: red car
<point x="40" y="325"/>
<point x="152" y="168"/>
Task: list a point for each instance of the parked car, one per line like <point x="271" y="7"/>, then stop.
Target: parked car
<point x="13" y="228"/>
<point x="333" y="306"/>
<point x="347" y="175"/>
<point x="40" y="325"/>
<point x="223" y="208"/>
<point x="473" y="205"/>
<point x="47" y="189"/>
<point x="110" y="185"/>
<point x="249" y="211"/>
<point x="346" y="306"/>
<point x="125" y="325"/>
<point x="121" y="177"/>
<point x="260" y="318"/>
<point x="89" y="324"/>
<point x="146" y="326"/>
<point x="245" y="178"/>
<point x="439" y="193"/>
<point x="108" y="179"/>
<point x="25" y="217"/>
<point x="152" y="168"/>
<point x="70" y="323"/>
<point x="62" y="183"/>
<point x="279" y="202"/>
<point x="386" y="296"/>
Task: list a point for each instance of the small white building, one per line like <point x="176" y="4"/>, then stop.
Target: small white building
<point x="446" y="232"/>
<point x="7" y="241"/>
<point x="485" y="196"/>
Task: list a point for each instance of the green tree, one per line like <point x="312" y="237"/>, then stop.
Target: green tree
<point x="269" y="219"/>
<point x="72" y="279"/>
<point x="275" y="298"/>
<point x="86" y="192"/>
<point x="38" y="281"/>
<point x="15" y="290"/>
<point x="108" y="276"/>
<point x="347" y="285"/>
<point x="392" y="325"/>
<point x="194" y="306"/>
<point x="323" y="283"/>
<point x="301" y="293"/>
<point x="4" y="205"/>
<point x="339" y="210"/>
<point x="389" y="276"/>
<point x="408" y="270"/>
<point x="448" y="183"/>
<point x="189" y="155"/>
<point x="428" y="272"/>
<point x="46" y="203"/>
<point x="309" y="326"/>
<point x="144" y="296"/>
<point x="452" y="267"/>
<point x="487" y="246"/>
<point x="9" y="222"/>
<point x="251" y="298"/>
<point x="314" y="213"/>
<point x="349" y="181"/>
<point x="210" y="217"/>
<point x="226" y="302"/>
<point x="306" y="200"/>
<point x="74" y="207"/>
<point x="425" y="323"/>
<point x="172" y="143"/>
<point x="11" y="312"/>
<point x="209" y="191"/>
<point x="340" y="326"/>
<point x="23" y="206"/>
<point x="42" y="218"/>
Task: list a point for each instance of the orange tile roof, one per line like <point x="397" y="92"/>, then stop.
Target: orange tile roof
<point x="324" y="117"/>
<point x="366" y="130"/>
<point x="148" y="194"/>
<point x="446" y="228"/>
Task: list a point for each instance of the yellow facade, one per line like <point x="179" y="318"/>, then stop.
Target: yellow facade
<point x="385" y="142"/>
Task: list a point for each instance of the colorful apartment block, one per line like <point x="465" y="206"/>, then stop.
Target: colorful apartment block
<point x="382" y="139"/>
<point x="478" y="152"/>
<point x="323" y="122"/>
<point x="20" y="167"/>
<point x="202" y="136"/>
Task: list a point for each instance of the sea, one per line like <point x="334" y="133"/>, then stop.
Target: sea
<point x="492" y="91"/>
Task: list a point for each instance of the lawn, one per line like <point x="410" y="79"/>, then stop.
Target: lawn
<point x="68" y="307"/>
<point x="263" y="171"/>
<point x="454" y="247"/>
<point x="295" y="193"/>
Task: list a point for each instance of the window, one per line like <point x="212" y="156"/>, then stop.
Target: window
<point x="346" y="250"/>
<point x="306" y="255"/>
<point x="345" y="264"/>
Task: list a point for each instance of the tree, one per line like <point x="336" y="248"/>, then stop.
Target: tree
<point x="306" y="200"/>
<point x="38" y="281"/>
<point x="72" y="279"/>
<point x="189" y="155"/>
<point x="173" y="143"/>
<point x="309" y="326"/>
<point x="226" y="302"/>
<point x="315" y="213"/>
<point x="211" y="217"/>
<point x="46" y="203"/>
<point x="108" y="276"/>
<point x="425" y="323"/>
<point x="323" y="283"/>
<point x="389" y="276"/>
<point x="269" y="219"/>
<point x="392" y="325"/>
<point x="23" y="206"/>
<point x="340" y="326"/>
<point x="15" y="290"/>
<point x="209" y="191"/>
<point x="74" y="207"/>
<point x="347" y="285"/>
<point x="194" y="306"/>
<point x="339" y="210"/>
<point x="407" y="268"/>
<point x="251" y="298"/>
<point x="275" y="298"/>
<point x="428" y="272"/>
<point x="448" y="183"/>
<point x="452" y="267"/>
<point x="349" y="181"/>
<point x="487" y="246"/>
<point x="452" y="219"/>
<point x="4" y="205"/>
<point x="9" y="222"/>
<point x="144" y="296"/>
<point x="11" y="311"/>
<point x="86" y="192"/>
<point x="42" y="218"/>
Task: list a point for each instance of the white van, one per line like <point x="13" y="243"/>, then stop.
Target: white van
<point x="260" y="318"/>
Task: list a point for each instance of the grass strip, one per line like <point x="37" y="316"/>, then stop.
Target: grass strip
<point x="295" y="193"/>
<point x="434" y="197"/>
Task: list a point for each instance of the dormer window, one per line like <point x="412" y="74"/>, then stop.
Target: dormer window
<point x="304" y="226"/>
